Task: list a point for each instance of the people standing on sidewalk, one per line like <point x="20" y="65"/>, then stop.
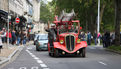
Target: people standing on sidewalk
<point x="89" y="38"/>
<point x="4" y="35"/>
<point x="1" y="44"/>
<point x="104" y="40"/>
<point x="18" y="37"/>
<point x="10" y="36"/>
<point x="98" y="38"/>
<point x="13" y="37"/>
<point x="95" y="38"/>
<point x="24" y="39"/>
<point x="107" y="36"/>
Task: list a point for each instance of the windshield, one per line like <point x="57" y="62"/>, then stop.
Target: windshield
<point x="42" y="37"/>
<point x="68" y="28"/>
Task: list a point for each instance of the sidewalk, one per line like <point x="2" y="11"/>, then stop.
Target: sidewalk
<point x="7" y="52"/>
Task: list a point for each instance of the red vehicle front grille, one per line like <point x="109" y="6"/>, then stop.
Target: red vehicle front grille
<point x="70" y="42"/>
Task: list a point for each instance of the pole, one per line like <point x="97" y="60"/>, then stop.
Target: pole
<point x="8" y="26"/>
<point x="98" y="24"/>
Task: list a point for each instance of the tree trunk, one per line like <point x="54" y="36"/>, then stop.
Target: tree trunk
<point x="117" y="21"/>
<point x="101" y="12"/>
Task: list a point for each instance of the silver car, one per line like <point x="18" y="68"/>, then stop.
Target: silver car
<point x="42" y="42"/>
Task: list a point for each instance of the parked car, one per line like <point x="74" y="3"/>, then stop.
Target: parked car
<point x="42" y="42"/>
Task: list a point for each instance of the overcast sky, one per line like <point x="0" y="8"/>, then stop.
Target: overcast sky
<point x="49" y="0"/>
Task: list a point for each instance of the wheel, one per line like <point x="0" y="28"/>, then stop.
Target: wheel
<point x="56" y="53"/>
<point x="83" y="52"/>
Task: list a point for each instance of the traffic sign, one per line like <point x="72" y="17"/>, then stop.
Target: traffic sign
<point x="17" y="20"/>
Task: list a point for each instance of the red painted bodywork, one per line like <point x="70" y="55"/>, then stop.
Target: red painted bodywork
<point x="62" y="36"/>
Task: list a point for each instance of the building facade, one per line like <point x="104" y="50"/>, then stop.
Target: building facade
<point x="3" y="13"/>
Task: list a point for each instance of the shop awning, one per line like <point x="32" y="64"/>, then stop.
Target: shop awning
<point x="3" y="15"/>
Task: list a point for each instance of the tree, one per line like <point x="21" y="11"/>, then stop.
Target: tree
<point x="45" y="12"/>
<point x="117" y="23"/>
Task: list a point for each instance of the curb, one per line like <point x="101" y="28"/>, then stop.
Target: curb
<point x="9" y="57"/>
<point x="113" y="51"/>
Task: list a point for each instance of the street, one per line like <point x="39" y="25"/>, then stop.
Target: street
<point x="97" y="58"/>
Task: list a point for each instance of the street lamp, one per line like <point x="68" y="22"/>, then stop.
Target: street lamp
<point x="9" y="17"/>
<point x="98" y="21"/>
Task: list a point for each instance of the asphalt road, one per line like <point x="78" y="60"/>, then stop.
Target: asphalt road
<point x="97" y="58"/>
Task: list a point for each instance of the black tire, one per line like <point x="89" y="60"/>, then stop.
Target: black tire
<point x="50" y="54"/>
<point x="56" y="53"/>
<point x="83" y="52"/>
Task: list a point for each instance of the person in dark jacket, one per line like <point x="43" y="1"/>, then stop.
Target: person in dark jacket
<point x="95" y="37"/>
<point x="107" y="39"/>
<point x="13" y="37"/>
<point x="89" y="38"/>
<point x="52" y="32"/>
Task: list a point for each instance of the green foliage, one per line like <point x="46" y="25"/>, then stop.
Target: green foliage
<point x="86" y="11"/>
<point x="115" y="48"/>
<point x="46" y="13"/>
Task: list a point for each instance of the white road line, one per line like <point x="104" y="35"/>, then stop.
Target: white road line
<point x="45" y="68"/>
<point x="33" y="55"/>
<point x="29" y="48"/>
<point x="43" y="65"/>
<point x="39" y="61"/>
<point x="36" y="58"/>
<point x="102" y="63"/>
<point x="30" y="53"/>
<point x="34" y="68"/>
<point x="22" y="68"/>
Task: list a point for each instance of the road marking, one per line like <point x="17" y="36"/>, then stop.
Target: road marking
<point x="102" y="63"/>
<point x="34" y="68"/>
<point x="45" y="68"/>
<point x="43" y="65"/>
<point x="29" y="48"/>
<point x="22" y="68"/>
<point x="39" y="61"/>
<point x="30" y="53"/>
<point x="36" y="58"/>
<point x="33" y="55"/>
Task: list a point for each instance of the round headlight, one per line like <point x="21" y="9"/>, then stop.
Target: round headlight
<point x="61" y="41"/>
<point x="78" y="40"/>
